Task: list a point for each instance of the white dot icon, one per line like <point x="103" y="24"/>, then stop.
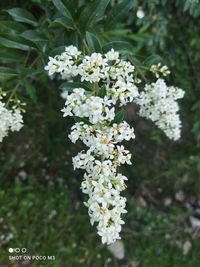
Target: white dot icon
<point x="11" y="250"/>
<point x="23" y="250"/>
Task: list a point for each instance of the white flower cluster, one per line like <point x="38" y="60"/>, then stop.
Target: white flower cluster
<point x="116" y="74"/>
<point x="97" y="109"/>
<point x="159" y="69"/>
<point x="100" y="134"/>
<point x="65" y="64"/>
<point x="101" y="181"/>
<point x="158" y="103"/>
<point x="112" y="84"/>
<point x="10" y="120"/>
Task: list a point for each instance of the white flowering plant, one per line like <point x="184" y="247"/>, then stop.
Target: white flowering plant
<point x="100" y="78"/>
<point x="107" y="84"/>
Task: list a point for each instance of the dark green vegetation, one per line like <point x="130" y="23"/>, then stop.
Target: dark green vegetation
<point x="40" y="201"/>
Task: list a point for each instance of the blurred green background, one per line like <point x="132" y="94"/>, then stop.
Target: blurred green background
<point x="41" y="205"/>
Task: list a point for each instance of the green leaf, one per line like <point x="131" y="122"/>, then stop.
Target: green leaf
<point x="153" y="59"/>
<point x="37" y="38"/>
<point x="93" y="11"/>
<point x="7" y="73"/>
<point x="93" y="42"/>
<point x="120" y="31"/>
<point x="22" y="15"/>
<point x="30" y="89"/>
<point x="11" y="27"/>
<point x="139" y="37"/>
<point x="63" y="21"/>
<point x="10" y="57"/>
<point x="62" y="9"/>
<point x="118" y="12"/>
<point x="121" y="46"/>
<point x="102" y="91"/>
<point x="57" y="51"/>
<point x="13" y="44"/>
<point x="69" y="86"/>
<point x="118" y="117"/>
<point x="33" y="36"/>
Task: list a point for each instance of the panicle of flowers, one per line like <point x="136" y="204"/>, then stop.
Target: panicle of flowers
<point x="104" y="154"/>
<point x="98" y="131"/>
<point x="113" y="84"/>
<point x="158" y="103"/>
<point x="102" y="182"/>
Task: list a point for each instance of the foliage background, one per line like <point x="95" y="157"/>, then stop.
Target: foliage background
<point x="40" y="201"/>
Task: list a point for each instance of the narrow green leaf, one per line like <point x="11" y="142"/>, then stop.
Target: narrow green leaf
<point x="30" y="89"/>
<point x="153" y="59"/>
<point x="93" y="11"/>
<point x="57" y="51"/>
<point x="7" y="73"/>
<point x="139" y="37"/>
<point x="36" y="38"/>
<point x="13" y="44"/>
<point x="10" y="57"/>
<point x="63" y="21"/>
<point x="121" y="46"/>
<point x="22" y="15"/>
<point x="118" y="12"/>
<point x="69" y="86"/>
<point x="33" y="36"/>
<point x="62" y="9"/>
<point x="120" y="31"/>
<point x="11" y="27"/>
<point x="93" y="42"/>
<point x="118" y="117"/>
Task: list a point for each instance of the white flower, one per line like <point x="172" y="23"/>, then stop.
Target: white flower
<point x="140" y="13"/>
<point x="91" y="68"/>
<point x="158" y="69"/>
<point x="17" y="120"/>
<point x="72" y="51"/>
<point x="64" y="63"/>
<point x="10" y="120"/>
<point x="64" y="94"/>
<point x="82" y="160"/>
<point x="95" y="108"/>
<point x="123" y="131"/>
<point x="158" y="103"/>
<point x="125" y="92"/>
<point x="112" y="55"/>
<point x="52" y="66"/>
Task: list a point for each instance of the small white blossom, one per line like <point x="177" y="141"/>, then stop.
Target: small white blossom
<point x="112" y="55"/>
<point x="158" y="69"/>
<point x="72" y="51"/>
<point x="140" y="13"/>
